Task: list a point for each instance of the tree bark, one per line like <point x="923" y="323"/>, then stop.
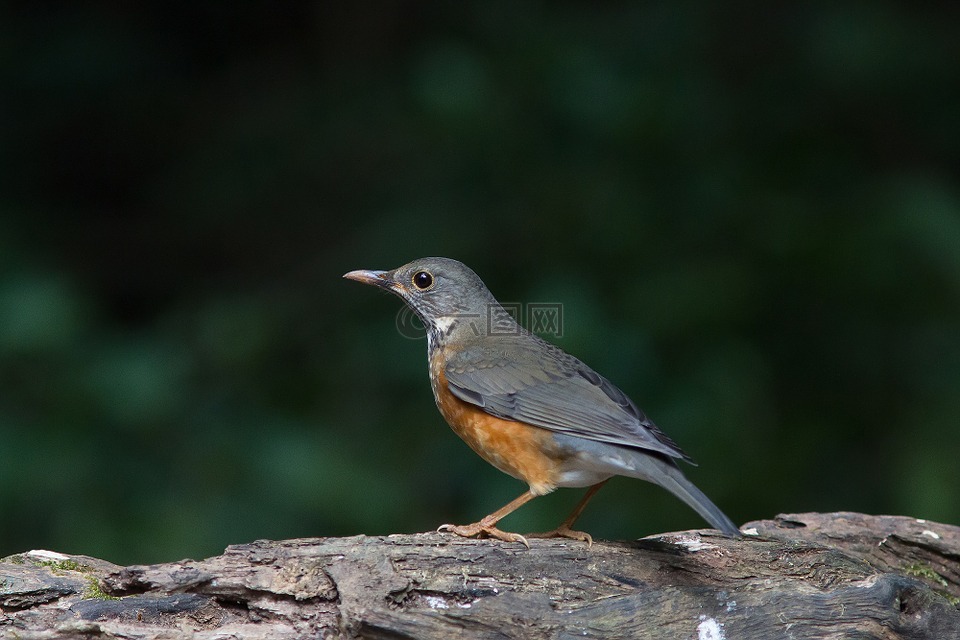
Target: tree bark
<point x="837" y="575"/>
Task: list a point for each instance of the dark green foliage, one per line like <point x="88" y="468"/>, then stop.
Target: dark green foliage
<point x="750" y="213"/>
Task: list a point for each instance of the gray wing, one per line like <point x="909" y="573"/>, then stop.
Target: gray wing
<point x="526" y="379"/>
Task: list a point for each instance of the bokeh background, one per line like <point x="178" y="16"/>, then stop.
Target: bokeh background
<point x="750" y="213"/>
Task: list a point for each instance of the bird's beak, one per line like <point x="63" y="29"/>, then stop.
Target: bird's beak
<point x="377" y="278"/>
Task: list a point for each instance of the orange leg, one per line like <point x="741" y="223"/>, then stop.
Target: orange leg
<point x="564" y="530"/>
<point x="487" y="526"/>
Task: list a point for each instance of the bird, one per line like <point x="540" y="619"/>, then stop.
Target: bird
<point x="527" y="407"/>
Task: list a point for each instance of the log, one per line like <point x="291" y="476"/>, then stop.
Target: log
<point x="835" y="575"/>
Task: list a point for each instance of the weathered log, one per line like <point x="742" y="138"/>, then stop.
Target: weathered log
<point x="839" y="575"/>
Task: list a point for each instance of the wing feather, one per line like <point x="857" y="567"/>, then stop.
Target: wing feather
<point x="527" y="379"/>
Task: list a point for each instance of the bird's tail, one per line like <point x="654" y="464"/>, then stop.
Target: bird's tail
<point x="677" y="484"/>
<point x="664" y="472"/>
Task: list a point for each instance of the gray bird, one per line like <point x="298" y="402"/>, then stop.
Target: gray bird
<point x="526" y="406"/>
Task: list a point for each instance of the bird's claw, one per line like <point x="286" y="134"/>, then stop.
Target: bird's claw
<point x="565" y="532"/>
<point x="481" y="530"/>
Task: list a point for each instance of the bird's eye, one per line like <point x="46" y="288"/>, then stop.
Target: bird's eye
<point x="422" y="280"/>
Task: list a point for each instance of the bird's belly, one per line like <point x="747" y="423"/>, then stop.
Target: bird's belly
<point x="572" y="475"/>
<point x="523" y="451"/>
<point x="587" y="462"/>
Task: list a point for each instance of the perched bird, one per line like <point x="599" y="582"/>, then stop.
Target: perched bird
<point x="526" y="406"/>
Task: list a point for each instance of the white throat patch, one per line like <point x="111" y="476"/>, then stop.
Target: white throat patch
<point x="444" y="323"/>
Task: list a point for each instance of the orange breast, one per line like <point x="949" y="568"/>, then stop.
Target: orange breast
<point x="518" y="449"/>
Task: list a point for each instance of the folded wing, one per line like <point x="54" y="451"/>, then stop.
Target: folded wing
<point x="527" y="379"/>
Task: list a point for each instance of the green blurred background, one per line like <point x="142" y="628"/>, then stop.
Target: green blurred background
<point x="750" y="213"/>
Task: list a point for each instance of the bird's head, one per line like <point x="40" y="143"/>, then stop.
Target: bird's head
<point x="447" y="295"/>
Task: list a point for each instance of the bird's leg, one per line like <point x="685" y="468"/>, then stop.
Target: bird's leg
<point x="487" y="526"/>
<point x="564" y="530"/>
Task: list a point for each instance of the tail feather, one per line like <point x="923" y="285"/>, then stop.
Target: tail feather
<point x="679" y="486"/>
<point x="605" y="459"/>
<point x="664" y="472"/>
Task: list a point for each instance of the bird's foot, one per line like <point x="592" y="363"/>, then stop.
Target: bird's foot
<point x="564" y="531"/>
<point x="483" y="530"/>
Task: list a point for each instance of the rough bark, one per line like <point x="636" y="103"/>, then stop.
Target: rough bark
<point x="838" y="575"/>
